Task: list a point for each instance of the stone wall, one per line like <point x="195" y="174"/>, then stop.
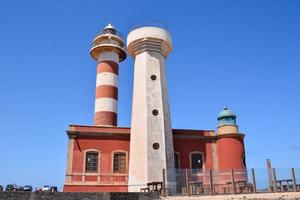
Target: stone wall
<point x="77" y="196"/>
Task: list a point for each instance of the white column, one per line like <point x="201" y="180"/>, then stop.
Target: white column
<point x="70" y="160"/>
<point x="147" y="159"/>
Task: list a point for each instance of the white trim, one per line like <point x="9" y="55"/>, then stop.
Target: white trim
<point x="98" y="183"/>
<point x="69" y="170"/>
<point x="108" y="56"/>
<point x="107" y="78"/>
<point x="106" y="104"/>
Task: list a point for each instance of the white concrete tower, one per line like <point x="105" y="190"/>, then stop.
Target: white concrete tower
<point x="108" y="50"/>
<point x="151" y="140"/>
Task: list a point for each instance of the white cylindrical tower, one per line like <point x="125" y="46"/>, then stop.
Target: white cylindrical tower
<point x="108" y="50"/>
<point x="151" y="141"/>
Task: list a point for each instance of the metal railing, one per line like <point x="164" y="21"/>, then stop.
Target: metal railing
<point x="234" y="181"/>
<point x="117" y="33"/>
<point x="106" y="42"/>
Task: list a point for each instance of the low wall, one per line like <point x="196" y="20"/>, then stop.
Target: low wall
<point x="78" y="196"/>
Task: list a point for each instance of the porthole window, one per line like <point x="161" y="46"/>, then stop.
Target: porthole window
<point x="153" y="77"/>
<point x="155" y="145"/>
<point x="155" y="112"/>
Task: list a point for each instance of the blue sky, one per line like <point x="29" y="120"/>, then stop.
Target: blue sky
<point x="241" y="54"/>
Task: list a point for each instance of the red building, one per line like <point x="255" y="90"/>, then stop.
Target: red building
<point x="98" y="155"/>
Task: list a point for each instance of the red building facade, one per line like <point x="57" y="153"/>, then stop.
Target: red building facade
<point x="216" y="152"/>
<point x="98" y="156"/>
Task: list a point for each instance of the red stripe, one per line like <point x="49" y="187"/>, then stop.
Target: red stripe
<point x="105" y="118"/>
<point x="107" y="91"/>
<point x="108" y="66"/>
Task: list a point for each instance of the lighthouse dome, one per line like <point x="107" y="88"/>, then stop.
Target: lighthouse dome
<point x="226" y="113"/>
<point x="226" y="116"/>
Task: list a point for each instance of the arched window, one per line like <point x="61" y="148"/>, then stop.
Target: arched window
<point x="91" y="161"/>
<point x="196" y="160"/>
<point x="119" y="162"/>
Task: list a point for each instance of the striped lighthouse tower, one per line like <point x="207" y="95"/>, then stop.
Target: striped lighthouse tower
<point x="108" y="50"/>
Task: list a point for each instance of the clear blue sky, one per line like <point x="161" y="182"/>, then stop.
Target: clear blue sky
<point x="241" y="54"/>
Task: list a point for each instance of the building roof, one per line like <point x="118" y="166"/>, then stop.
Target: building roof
<point x="124" y="132"/>
<point x="110" y="130"/>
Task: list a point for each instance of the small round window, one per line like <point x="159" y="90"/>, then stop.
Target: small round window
<point x="155" y="145"/>
<point x="155" y="112"/>
<point x="153" y="77"/>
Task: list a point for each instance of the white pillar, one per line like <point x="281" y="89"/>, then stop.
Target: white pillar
<point x="151" y="141"/>
<point x="69" y="171"/>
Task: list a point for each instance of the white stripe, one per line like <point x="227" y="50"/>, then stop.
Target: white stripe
<point x="107" y="78"/>
<point x="108" y="55"/>
<point x="106" y="104"/>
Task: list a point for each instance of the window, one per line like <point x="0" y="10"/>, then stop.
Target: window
<point x="91" y="162"/>
<point x="119" y="162"/>
<point x="155" y="112"/>
<point x="230" y="120"/>
<point x="153" y="77"/>
<point x="155" y="145"/>
<point x="176" y="158"/>
<point x="196" y="161"/>
<point x="244" y="161"/>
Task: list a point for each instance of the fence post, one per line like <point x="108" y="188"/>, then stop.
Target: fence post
<point x="270" y="177"/>
<point x="274" y="180"/>
<point x="211" y="182"/>
<point x="164" y="182"/>
<point x="254" y="180"/>
<point x="232" y="181"/>
<point x="294" y="180"/>
<point x="187" y="182"/>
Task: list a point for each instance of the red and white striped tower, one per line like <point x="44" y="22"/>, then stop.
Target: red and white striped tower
<point x="108" y="50"/>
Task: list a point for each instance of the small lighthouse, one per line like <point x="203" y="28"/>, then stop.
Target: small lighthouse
<point x="108" y="50"/>
<point x="231" y="150"/>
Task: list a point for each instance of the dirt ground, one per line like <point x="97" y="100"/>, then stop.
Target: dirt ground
<point x="265" y="196"/>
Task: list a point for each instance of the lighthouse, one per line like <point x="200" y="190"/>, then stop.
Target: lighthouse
<point x="104" y="157"/>
<point x="151" y="141"/>
<point x="108" y="50"/>
<point x="231" y="150"/>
